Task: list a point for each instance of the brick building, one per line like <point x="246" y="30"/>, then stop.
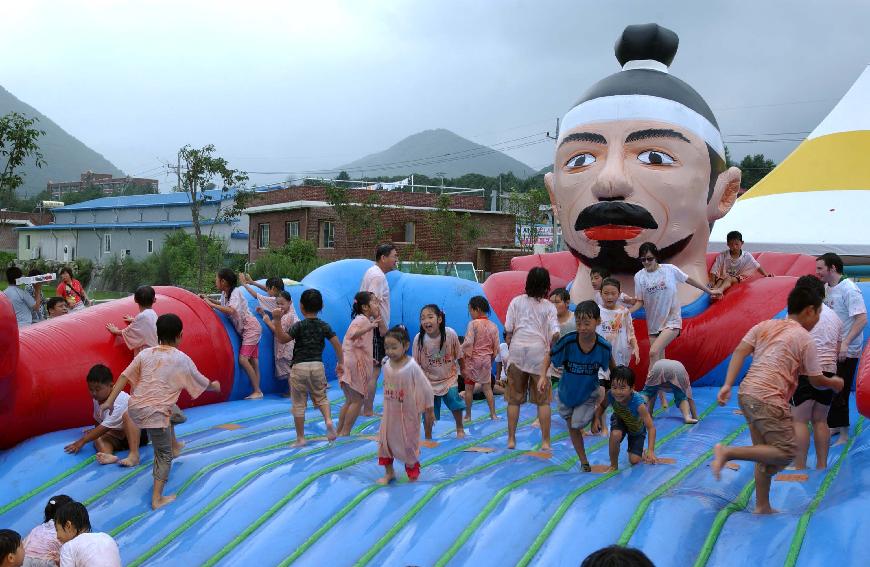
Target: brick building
<point x="10" y="220"/>
<point x="109" y="185"/>
<point x="305" y="212"/>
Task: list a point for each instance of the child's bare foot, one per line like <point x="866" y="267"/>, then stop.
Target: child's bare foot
<point x="299" y="443"/>
<point x="468" y="417"/>
<point x="460" y="434"/>
<point x="255" y="396"/>
<point x="162" y="501"/>
<point x="106" y="458"/>
<point x="719" y="460"/>
<point x="177" y="448"/>
<point x="330" y="433"/>
<point x="130" y="461"/>
<point x="512" y="443"/>
<point x="612" y="468"/>
<point x="545" y="447"/>
<point x="842" y="441"/>
<point x="690" y="420"/>
<point x="796" y="467"/>
<point x="493" y="416"/>
<point x="536" y="423"/>
<point x="386" y="479"/>
<point x="765" y="510"/>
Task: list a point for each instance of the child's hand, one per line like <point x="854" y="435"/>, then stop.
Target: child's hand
<point x="261" y="311"/>
<point x="128" y="318"/>
<point x="724" y="395"/>
<point x="339" y="369"/>
<point x="74" y="448"/>
<point x="113" y="329"/>
<point x="542" y="384"/>
<point x="214" y="386"/>
<point x="649" y="457"/>
<point x="595" y="428"/>
<point x="715" y="293"/>
<point x="277" y="313"/>
<point x="837" y="383"/>
<point x="377" y="322"/>
<point x="243" y="278"/>
<point x="636" y="354"/>
<point x="107" y="406"/>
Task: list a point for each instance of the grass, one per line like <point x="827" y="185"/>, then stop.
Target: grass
<point x="95" y="295"/>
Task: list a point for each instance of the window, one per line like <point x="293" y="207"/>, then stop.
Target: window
<point x="27" y="242"/>
<point x="291" y="230"/>
<point x="327" y="234"/>
<point x="150" y="246"/>
<point x="410" y="231"/>
<point x="107" y="243"/>
<point x="263" y="236"/>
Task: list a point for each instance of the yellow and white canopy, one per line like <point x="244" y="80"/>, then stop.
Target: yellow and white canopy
<point x="818" y="199"/>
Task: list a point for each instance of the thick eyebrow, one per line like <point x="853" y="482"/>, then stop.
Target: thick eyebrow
<point x="655" y="133"/>
<point x="585" y="137"/>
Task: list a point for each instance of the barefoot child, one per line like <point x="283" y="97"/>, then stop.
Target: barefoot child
<point x="437" y="351"/>
<point x="479" y="351"/>
<point x="283" y="351"/>
<point x="407" y="394"/>
<point x="115" y="430"/>
<point x="357" y="349"/>
<point x="810" y="405"/>
<point x="11" y="549"/>
<point x="81" y="547"/>
<point x="733" y="266"/>
<point x="631" y="419"/>
<point x="580" y="355"/>
<point x="671" y="374"/>
<point x="158" y="375"/>
<point x="307" y="376"/>
<point x="234" y="305"/>
<point x="41" y="546"/>
<point x="781" y="349"/>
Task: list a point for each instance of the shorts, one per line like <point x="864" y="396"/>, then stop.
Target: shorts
<point x="650" y="392"/>
<point x="635" y="440"/>
<point x="378" y="352"/>
<point x="654" y="336"/>
<point x="307" y="379"/>
<point x="413" y="471"/>
<point x="118" y="441"/>
<point x="805" y="391"/>
<point x="249" y="351"/>
<point x="161" y="440"/>
<point x="580" y="416"/>
<point x="452" y="400"/>
<point x="773" y="424"/>
<point x="522" y="385"/>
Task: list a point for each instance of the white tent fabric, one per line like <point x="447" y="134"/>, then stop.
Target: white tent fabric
<point x="817" y="199"/>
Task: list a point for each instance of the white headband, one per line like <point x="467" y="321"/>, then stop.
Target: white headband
<point x="642" y="107"/>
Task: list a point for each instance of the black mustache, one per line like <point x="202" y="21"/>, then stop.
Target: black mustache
<point x="614" y="212"/>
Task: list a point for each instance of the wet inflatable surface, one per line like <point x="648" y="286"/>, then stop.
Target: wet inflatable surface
<point x="244" y="493"/>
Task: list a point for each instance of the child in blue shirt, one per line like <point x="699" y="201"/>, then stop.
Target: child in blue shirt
<point x="580" y="355"/>
<point x="630" y="419"/>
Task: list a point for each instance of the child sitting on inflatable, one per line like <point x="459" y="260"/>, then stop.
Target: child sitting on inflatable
<point x="733" y="266"/>
<point x="781" y="349"/>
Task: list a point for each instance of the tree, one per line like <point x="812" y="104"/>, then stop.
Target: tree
<point x="362" y="220"/>
<point x="530" y="210"/>
<point x="452" y="229"/>
<point x="343" y="176"/>
<point x="197" y="169"/>
<point x="754" y="168"/>
<point x="18" y="142"/>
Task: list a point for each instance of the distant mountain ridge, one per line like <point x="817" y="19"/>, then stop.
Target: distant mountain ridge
<point x="66" y="157"/>
<point x="435" y="153"/>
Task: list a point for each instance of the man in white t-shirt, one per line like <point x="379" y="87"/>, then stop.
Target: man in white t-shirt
<point x="847" y="301"/>
<point x="114" y="431"/>
<point x="375" y="281"/>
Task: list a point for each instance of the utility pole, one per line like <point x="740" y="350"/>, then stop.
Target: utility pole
<point x="556" y="137"/>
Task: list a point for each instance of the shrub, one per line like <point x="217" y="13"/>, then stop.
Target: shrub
<point x="295" y="260"/>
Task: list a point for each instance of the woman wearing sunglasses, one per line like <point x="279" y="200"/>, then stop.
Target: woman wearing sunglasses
<point x="655" y="287"/>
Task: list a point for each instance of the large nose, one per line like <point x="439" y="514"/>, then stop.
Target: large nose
<point x="613" y="183"/>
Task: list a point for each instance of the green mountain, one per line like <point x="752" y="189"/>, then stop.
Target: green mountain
<point x="436" y="153"/>
<point x="66" y="158"/>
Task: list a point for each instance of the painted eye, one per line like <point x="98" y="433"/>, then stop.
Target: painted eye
<point x="652" y="157"/>
<point x="581" y="160"/>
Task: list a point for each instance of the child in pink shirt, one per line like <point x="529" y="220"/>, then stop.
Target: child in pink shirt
<point x="479" y="351"/>
<point x="407" y="394"/>
<point x="283" y="351"/>
<point x="141" y="330"/>
<point x="357" y="349"/>
<point x="437" y="351"/>
<point x="781" y="349"/>
<point x="235" y="306"/>
<point x="41" y="546"/>
<point x="158" y="375"/>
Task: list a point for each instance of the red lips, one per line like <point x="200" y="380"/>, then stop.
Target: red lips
<point x="612" y="232"/>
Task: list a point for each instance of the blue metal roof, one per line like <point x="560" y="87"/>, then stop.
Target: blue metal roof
<point x="140" y="201"/>
<point x="120" y="226"/>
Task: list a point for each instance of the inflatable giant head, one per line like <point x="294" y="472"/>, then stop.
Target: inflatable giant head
<point x="640" y="158"/>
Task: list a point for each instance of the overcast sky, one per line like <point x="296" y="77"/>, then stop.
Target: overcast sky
<point x="307" y="85"/>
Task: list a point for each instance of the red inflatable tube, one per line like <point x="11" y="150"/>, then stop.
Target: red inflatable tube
<point x="862" y="384"/>
<point x="47" y="391"/>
